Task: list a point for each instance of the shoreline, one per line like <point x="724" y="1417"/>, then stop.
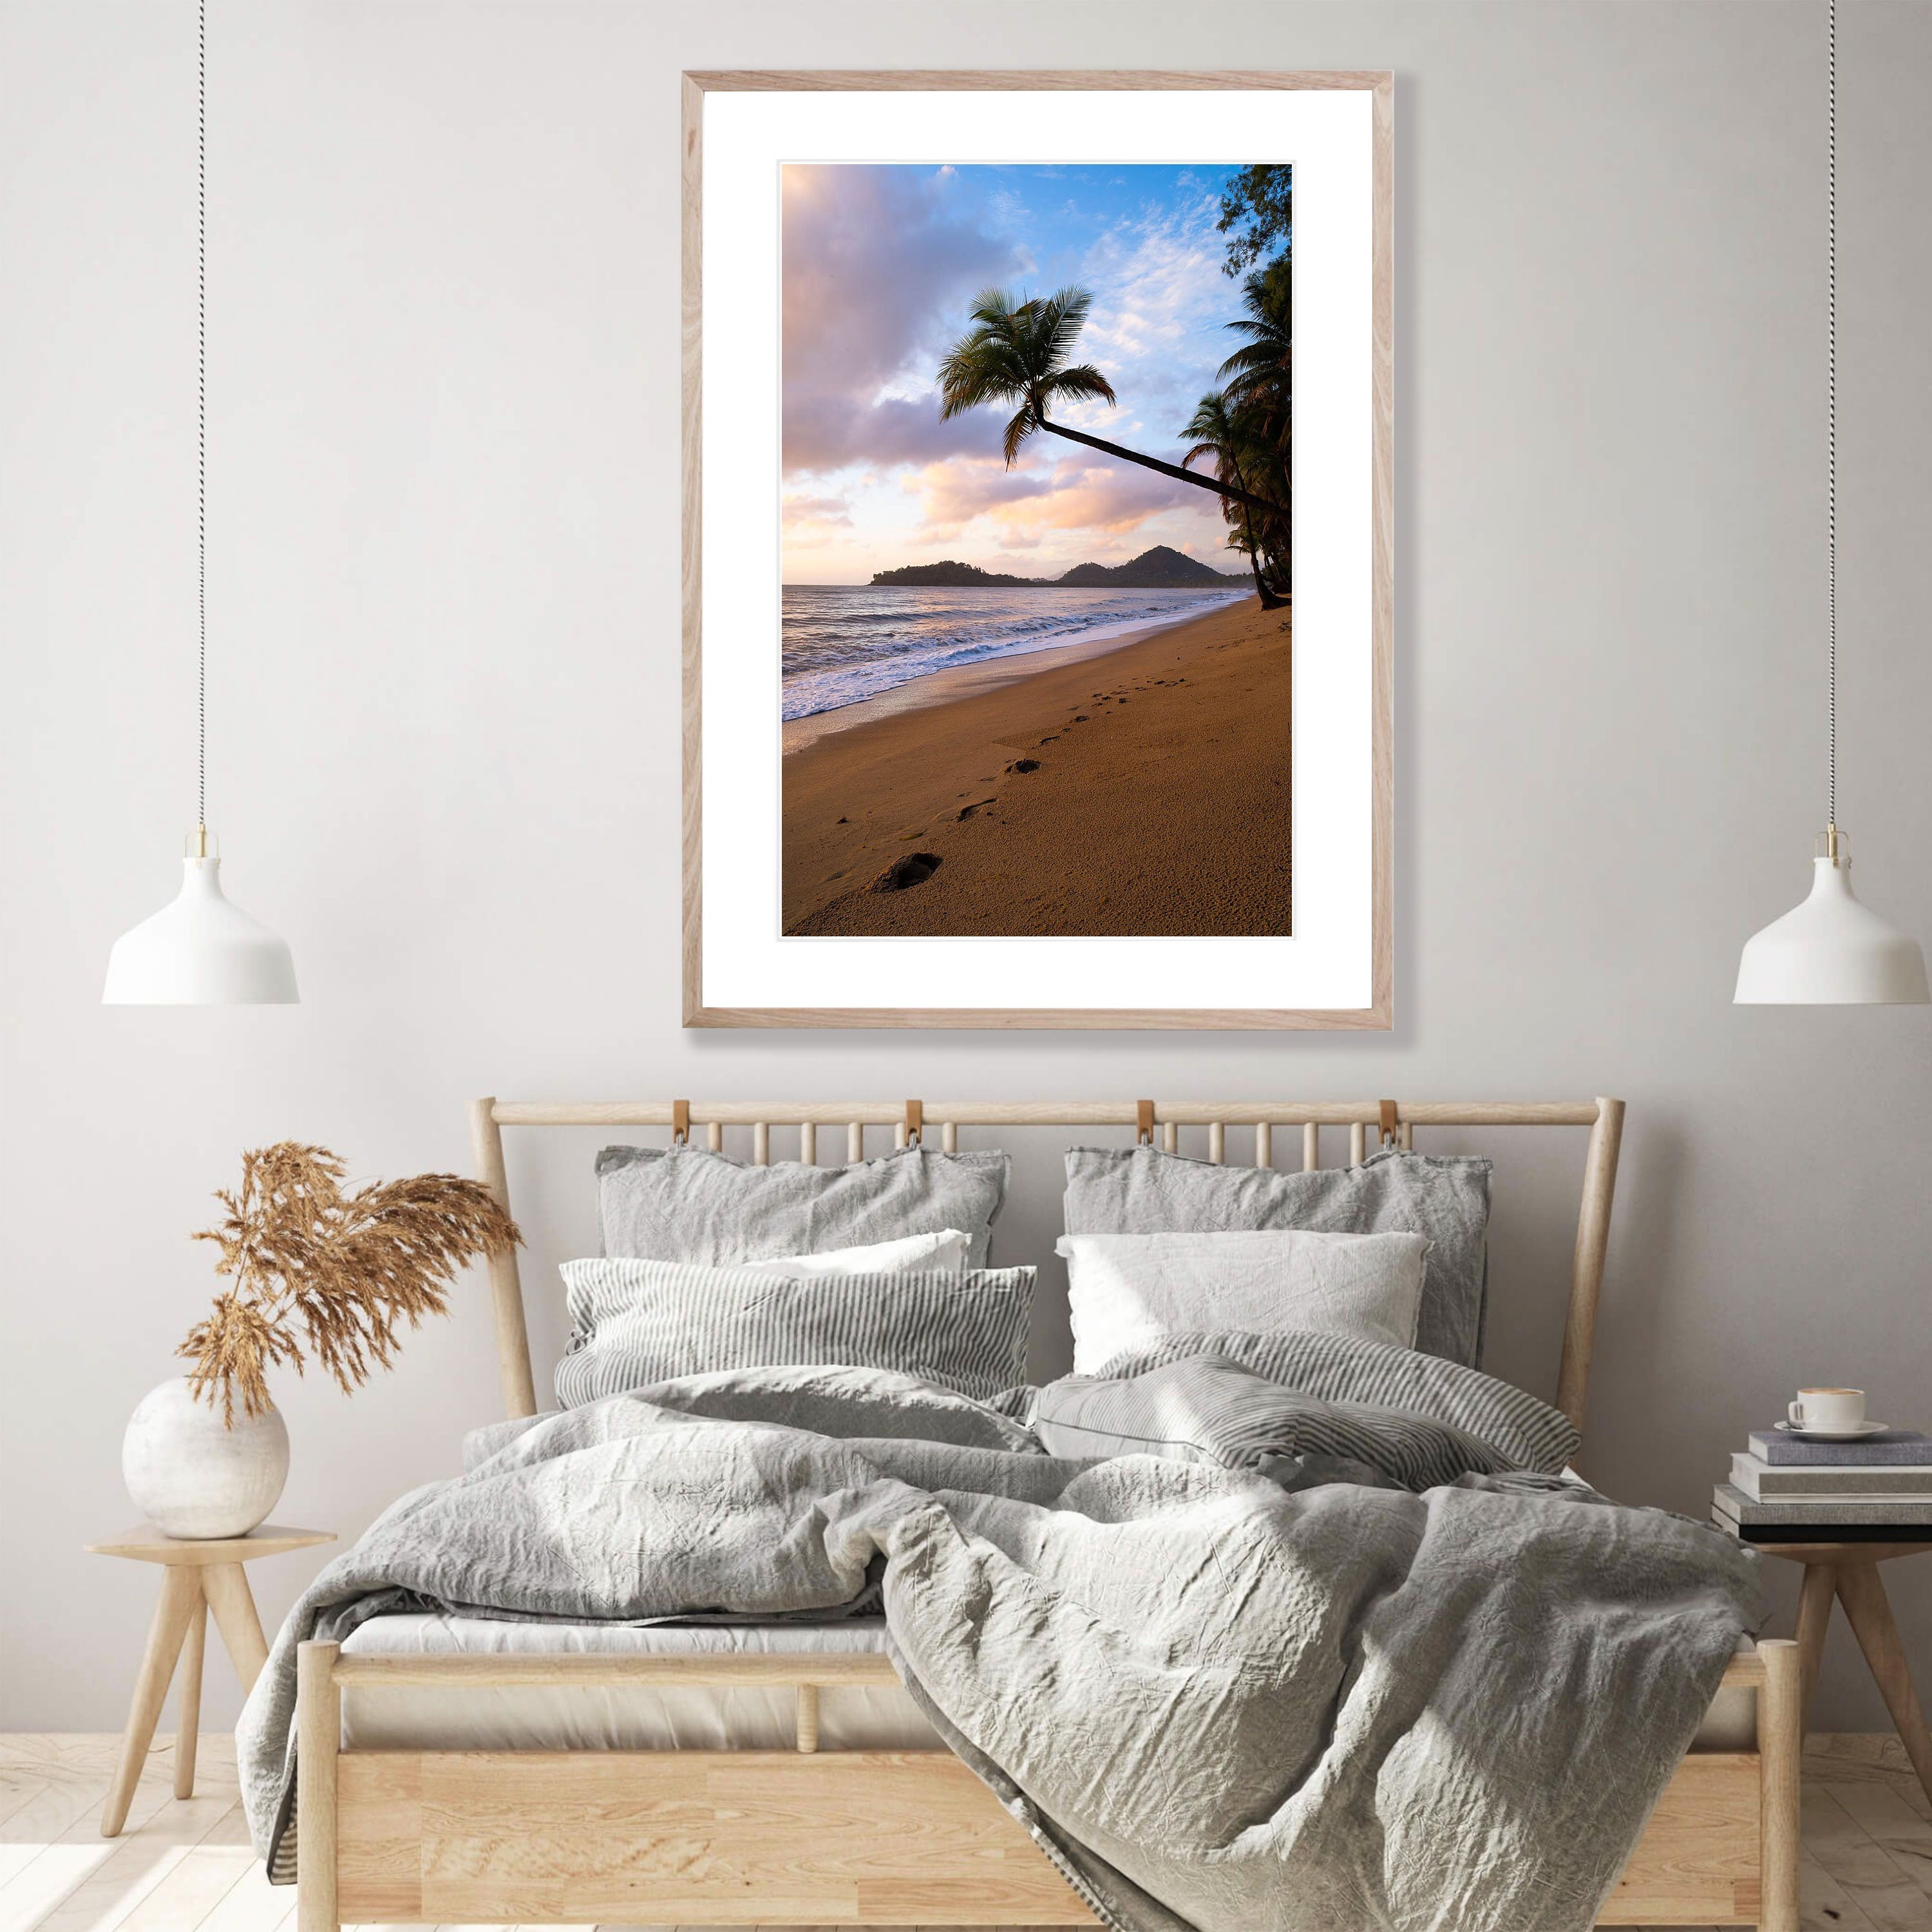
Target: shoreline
<point x="957" y="681"/>
<point x="1138" y="785"/>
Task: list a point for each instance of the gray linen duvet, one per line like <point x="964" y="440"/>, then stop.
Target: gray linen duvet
<point x="1217" y="1697"/>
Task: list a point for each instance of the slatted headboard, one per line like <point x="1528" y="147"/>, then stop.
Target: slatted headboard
<point x="1394" y="1122"/>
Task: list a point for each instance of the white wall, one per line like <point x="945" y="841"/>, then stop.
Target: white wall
<point x="443" y="499"/>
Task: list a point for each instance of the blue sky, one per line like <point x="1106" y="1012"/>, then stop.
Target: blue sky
<point x="880" y="266"/>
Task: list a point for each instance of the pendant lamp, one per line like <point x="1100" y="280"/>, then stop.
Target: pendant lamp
<point x="1831" y="950"/>
<point x="201" y="950"/>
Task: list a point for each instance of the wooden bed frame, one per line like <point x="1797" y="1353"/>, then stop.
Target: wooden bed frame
<point x="754" y="1837"/>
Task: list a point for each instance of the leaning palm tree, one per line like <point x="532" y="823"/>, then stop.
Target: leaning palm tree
<point x="1217" y="438"/>
<point x="1018" y="352"/>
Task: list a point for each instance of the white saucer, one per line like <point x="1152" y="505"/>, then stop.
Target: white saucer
<point x="1853" y="1435"/>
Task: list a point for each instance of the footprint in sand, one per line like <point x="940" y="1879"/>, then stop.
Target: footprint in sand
<point x="1081" y="719"/>
<point x="978" y="804"/>
<point x="1024" y="765"/>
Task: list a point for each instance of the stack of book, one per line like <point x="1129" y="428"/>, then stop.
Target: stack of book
<point x="1786" y="1488"/>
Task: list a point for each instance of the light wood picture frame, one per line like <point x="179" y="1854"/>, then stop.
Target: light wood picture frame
<point x="1335" y="968"/>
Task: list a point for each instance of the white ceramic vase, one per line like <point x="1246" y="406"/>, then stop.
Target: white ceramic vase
<point x="191" y="1476"/>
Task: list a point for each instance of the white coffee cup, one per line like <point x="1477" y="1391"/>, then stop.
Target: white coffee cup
<point x="1830" y="1411"/>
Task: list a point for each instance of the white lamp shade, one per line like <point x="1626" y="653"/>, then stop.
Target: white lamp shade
<point x="1831" y="951"/>
<point x="200" y="951"/>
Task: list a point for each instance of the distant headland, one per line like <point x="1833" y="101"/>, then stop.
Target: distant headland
<point x="1160" y="568"/>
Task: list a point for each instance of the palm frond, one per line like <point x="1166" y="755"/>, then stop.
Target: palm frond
<point x="1083" y="381"/>
<point x="1022" y="427"/>
<point x="980" y="369"/>
<point x="1253" y="361"/>
<point x="1212" y="427"/>
<point x="992" y="308"/>
<point x="1057" y="323"/>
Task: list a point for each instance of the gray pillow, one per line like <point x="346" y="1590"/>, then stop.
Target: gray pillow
<point x="686" y="1204"/>
<point x="1143" y="1191"/>
<point x="634" y="1323"/>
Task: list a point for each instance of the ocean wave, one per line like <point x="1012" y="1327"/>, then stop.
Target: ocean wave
<point x="843" y="644"/>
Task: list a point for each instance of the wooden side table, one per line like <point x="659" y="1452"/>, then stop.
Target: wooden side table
<point x="198" y="1577"/>
<point x="1846" y="1572"/>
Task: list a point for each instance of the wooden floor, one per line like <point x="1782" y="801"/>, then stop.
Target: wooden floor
<point x="185" y="1865"/>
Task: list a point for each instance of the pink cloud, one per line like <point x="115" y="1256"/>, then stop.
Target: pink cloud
<point x="799" y="515"/>
<point x="873" y="264"/>
<point x="1079" y="493"/>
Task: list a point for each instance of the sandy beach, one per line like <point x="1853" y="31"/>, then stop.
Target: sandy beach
<point x="1139" y="789"/>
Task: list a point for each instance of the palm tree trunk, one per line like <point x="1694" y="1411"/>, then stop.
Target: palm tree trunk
<point x="1270" y="601"/>
<point x="1173" y="469"/>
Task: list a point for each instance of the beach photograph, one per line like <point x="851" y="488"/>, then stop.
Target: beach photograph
<point x="1036" y="563"/>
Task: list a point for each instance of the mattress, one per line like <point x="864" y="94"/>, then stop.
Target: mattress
<point x="631" y="1716"/>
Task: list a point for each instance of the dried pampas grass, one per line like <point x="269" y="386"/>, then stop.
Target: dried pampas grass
<point x="337" y="1272"/>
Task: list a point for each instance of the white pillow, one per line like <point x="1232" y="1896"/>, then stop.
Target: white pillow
<point x="1128" y="1290"/>
<point x="944" y="1253"/>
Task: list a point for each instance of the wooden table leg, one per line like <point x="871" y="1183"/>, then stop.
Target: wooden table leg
<point x="1814" y="1619"/>
<point x="187" y="1699"/>
<point x="1862" y="1593"/>
<point x="226" y="1586"/>
<point x="180" y="1597"/>
<point x="1780" y="1745"/>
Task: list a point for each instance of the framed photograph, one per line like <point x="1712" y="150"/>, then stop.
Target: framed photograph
<point x="1037" y="625"/>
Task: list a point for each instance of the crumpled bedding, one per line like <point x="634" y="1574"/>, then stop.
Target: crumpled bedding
<point x="1217" y="1697"/>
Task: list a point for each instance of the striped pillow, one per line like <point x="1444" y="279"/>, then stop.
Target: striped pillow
<point x="1206" y="1408"/>
<point x="636" y="1322"/>
<point x="1525" y="1433"/>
